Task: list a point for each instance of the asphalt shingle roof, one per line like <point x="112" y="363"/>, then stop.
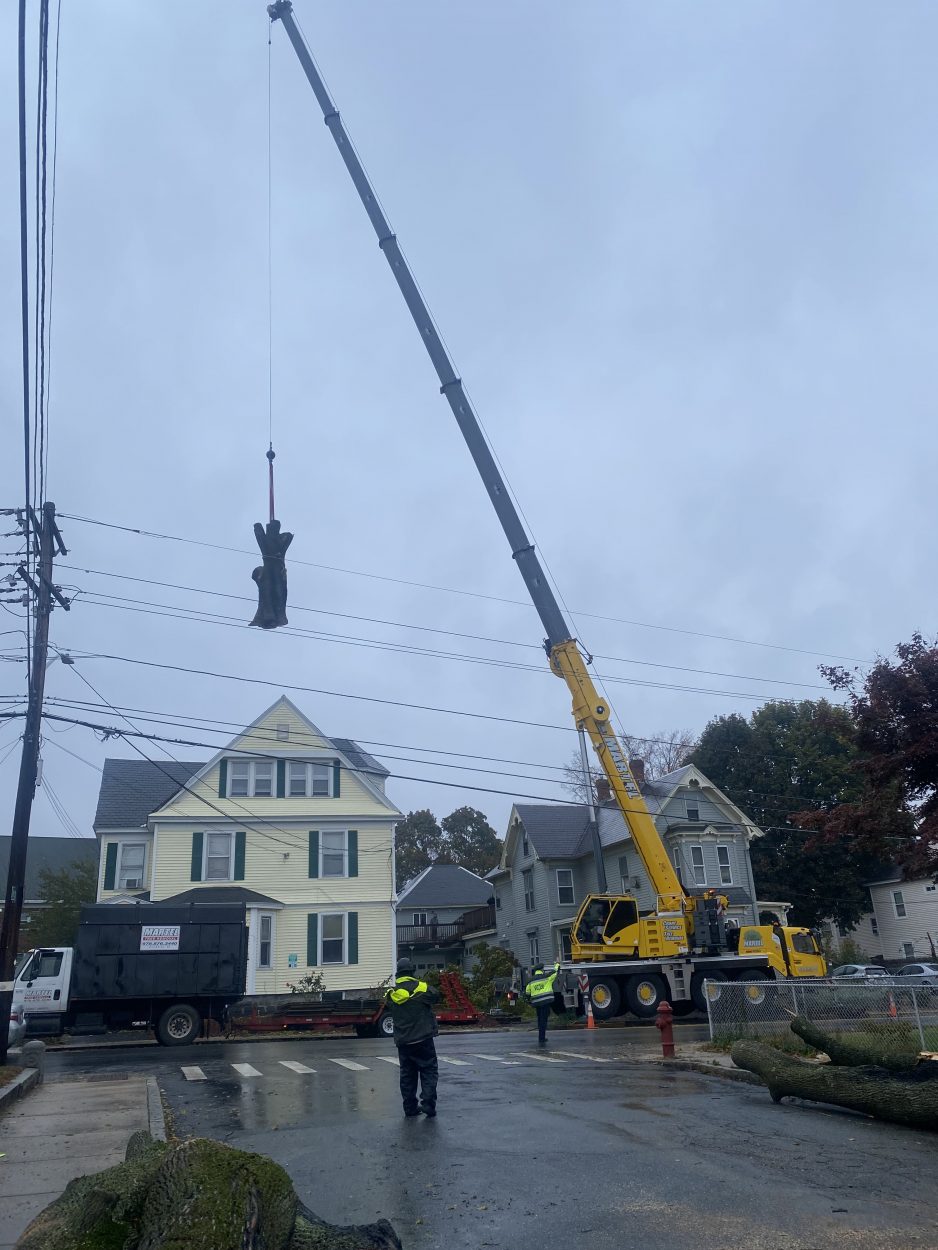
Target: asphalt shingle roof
<point x="51" y="853"/>
<point x="221" y="894"/>
<point x="448" y="885"/>
<point x="132" y="789"/>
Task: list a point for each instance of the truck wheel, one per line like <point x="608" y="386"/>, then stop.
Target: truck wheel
<point x="386" y="1025"/>
<point x="698" y="997"/>
<point x="755" y="993"/>
<point x="644" y="993"/>
<point x="178" y="1025"/>
<point x="605" y="997"/>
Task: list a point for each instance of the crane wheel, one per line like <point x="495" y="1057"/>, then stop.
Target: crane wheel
<point x="606" y="997"/>
<point x="643" y="993"/>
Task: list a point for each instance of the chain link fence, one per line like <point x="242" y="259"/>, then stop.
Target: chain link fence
<point x="893" y="1012"/>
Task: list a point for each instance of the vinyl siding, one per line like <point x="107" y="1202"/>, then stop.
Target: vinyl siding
<point x="921" y="918"/>
<point x="276" y="862"/>
<point x="116" y="839"/>
<point x="355" y="797"/>
<point x="374" y="950"/>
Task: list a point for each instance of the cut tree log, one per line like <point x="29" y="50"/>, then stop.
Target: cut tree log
<point x="197" y="1193"/>
<point x="850" y="1053"/>
<point x="903" y="1098"/>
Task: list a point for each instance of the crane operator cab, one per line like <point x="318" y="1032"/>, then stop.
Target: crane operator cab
<point x="606" y="927"/>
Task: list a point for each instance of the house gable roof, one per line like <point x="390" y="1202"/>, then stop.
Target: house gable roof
<point x="446" y="885"/>
<point x="132" y="789"/>
<point x="54" y="854"/>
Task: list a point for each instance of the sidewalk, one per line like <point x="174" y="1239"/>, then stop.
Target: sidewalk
<point x="57" y="1132"/>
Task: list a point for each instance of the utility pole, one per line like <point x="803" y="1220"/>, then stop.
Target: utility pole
<point x="44" y="592"/>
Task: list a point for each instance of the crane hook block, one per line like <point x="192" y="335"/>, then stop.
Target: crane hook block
<point x="271" y="576"/>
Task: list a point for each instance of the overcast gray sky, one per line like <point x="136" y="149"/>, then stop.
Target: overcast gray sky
<point x="685" y="258"/>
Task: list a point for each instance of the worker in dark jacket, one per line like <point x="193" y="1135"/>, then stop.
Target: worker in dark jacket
<point x="540" y="991"/>
<point x="410" y="1003"/>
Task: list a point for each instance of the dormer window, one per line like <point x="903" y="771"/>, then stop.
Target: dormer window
<point x="250" y="779"/>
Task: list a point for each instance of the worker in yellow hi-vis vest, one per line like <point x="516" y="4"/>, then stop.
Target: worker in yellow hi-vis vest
<point x="540" y="991"/>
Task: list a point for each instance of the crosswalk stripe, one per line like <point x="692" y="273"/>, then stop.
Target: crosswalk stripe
<point x="509" y="1063"/>
<point x="389" y="1059"/>
<point x="573" y="1054"/>
<point x="194" y="1074"/>
<point x="245" y="1069"/>
<point x="532" y="1054"/>
<point x="350" y="1064"/>
<point x="457" y="1063"/>
<point x="295" y="1066"/>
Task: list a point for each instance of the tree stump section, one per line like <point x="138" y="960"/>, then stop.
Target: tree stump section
<point x="846" y="1052"/>
<point x="177" y="1195"/>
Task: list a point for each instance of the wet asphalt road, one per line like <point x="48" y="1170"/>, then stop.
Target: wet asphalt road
<point x="583" y="1145"/>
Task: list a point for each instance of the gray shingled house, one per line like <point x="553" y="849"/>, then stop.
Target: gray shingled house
<point x="443" y="915"/>
<point x="547" y="866"/>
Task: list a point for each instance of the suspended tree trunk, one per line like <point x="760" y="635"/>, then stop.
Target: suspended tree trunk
<point x="910" y="1098"/>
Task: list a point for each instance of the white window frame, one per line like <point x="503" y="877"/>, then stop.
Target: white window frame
<point x="701" y="867"/>
<point x="118" y="880"/>
<point x="908" y="950"/>
<point x="534" y="953"/>
<point x="728" y="866"/>
<point x="874" y="926"/>
<point x="898" y="902"/>
<point x="252" y="766"/>
<point x="323" y="916"/>
<point x="420" y="919"/>
<point x="328" y="833"/>
<point x="692" y="805"/>
<point x="525" y="847"/>
<point x="560" y="901"/>
<point x="206" y="843"/>
<point x="283" y="733"/>
<point x="565" y="953"/>
<point x="528" y="876"/>
<point x="310" y="779"/>
<point x="261" y="917"/>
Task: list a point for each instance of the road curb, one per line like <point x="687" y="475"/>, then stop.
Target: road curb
<point x="155" y="1115"/>
<point x="19" y="1086"/>
<point x="712" y="1069"/>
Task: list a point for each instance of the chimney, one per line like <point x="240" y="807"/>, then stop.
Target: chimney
<point x="637" y="768"/>
<point x="603" y="790"/>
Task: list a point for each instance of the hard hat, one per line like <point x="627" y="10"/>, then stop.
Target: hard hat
<point x="405" y="966"/>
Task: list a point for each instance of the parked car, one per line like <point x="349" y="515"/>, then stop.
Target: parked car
<point x="920" y="974"/>
<point x="859" y="972"/>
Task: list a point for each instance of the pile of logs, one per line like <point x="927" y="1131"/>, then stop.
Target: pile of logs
<point x="896" y="1085"/>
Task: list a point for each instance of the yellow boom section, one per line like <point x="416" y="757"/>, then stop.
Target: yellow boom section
<point x="592" y="713"/>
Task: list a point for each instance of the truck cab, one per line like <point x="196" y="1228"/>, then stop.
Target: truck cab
<point x="40" y="990"/>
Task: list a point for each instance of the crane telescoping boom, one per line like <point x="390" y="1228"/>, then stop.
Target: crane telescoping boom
<point x="590" y="711"/>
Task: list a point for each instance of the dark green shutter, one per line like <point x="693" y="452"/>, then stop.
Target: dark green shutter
<point x="312" y="940"/>
<point x="110" y="865"/>
<point x="352" y="937"/>
<point x="281" y="779"/>
<point x="353" y="852"/>
<point x="196" y="874"/>
<point x="314" y="852"/>
<point x="222" y="784"/>
<point x="336" y="779"/>
<point x="240" y="840"/>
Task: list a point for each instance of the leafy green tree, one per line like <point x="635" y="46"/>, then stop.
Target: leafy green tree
<point x="783" y="766"/>
<point x="418" y="842"/>
<point x="491" y="963"/>
<point x="64" y="890"/>
<point x="470" y="841"/>
<point x="895" y="712"/>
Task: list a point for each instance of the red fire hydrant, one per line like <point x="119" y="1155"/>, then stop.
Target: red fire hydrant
<point x="664" y="1021"/>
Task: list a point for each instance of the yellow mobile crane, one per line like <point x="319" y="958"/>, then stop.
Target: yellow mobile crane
<point x="670" y="951"/>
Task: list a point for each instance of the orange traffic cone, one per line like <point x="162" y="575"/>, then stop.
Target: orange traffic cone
<point x="894" y="1015"/>
<point x="590" y="1022"/>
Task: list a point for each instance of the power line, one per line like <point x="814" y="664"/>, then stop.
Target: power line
<point x="597" y="616"/>
<point x="507" y="642"/>
<point x="24" y="295"/>
<point x="202" y="617"/>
